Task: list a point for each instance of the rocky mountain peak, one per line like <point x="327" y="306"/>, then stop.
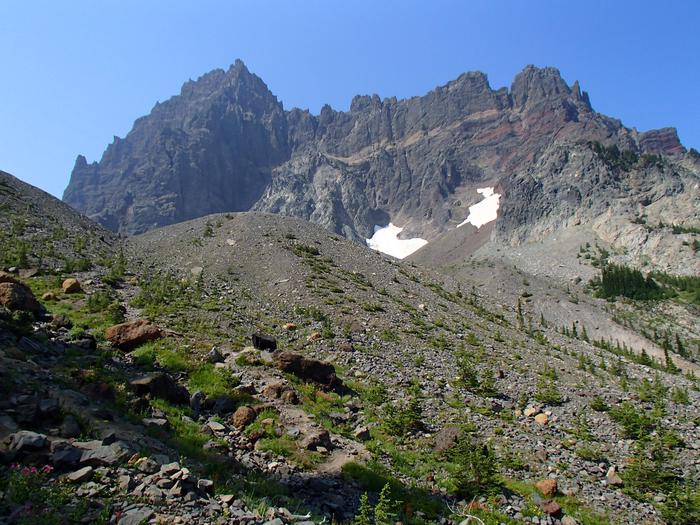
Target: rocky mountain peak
<point x="534" y="86"/>
<point x="226" y="144"/>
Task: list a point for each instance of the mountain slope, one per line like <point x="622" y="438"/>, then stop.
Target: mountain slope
<point x="434" y="378"/>
<point x="37" y="230"/>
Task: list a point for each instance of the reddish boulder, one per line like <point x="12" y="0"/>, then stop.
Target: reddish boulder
<point x="548" y="487"/>
<point x="129" y="335"/>
<point x="243" y="417"/>
<point x="551" y="507"/>
<point x="18" y="296"/>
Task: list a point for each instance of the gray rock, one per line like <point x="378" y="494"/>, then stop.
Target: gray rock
<point x="70" y="428"/>
<point x="26" y="440"/>
<point x="136" y="516"/>
<point x="105" y="455"/>
<point x="84" y="474"/>
<point x="163" y="386"/>
<point x="214" y="356"/>
<point x="316" y="438"/>
<point x="156" y="423"/>
<point x="206" y="485"/>
<point x="66" y="456"/>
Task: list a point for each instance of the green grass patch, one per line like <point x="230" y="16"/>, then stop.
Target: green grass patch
<point x="213" y="381"/>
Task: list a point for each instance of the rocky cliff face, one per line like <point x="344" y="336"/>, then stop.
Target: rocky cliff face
<point x="226" y="144"/>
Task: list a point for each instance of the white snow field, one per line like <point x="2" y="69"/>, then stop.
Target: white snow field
<point x="485" y="210"/>
<point x="385" y="240"/>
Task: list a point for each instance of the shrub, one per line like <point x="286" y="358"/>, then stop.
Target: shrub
<point x="682" y="506"/>
<point x="649" y="391"/>
<point x="648" y="473"/>
<point x="547" y="391"/>
<point x="680" y="395"/>
<point x="383" y="513"/>
<point x="476" y="468"/>
<point x="635" y="423"/>
<point x="405" y="417"/>
<point x="599" y="405"/>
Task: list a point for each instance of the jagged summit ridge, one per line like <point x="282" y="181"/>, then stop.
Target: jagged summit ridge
<point x="225" y="143"/>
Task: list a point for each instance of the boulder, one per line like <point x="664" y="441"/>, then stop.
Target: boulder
<point x="26" y="440"/>
<point x="136" y="516"/>
<point x="129" y="335"/>
<point x="316" y="438"/>
<point x="224" y="405"/>
<point x="361" y="433"/>
<point x="18" y="296"/>
<point x="48" y="296"/>
<point x="445" y="439"/>
<point x="84" y="474"/>
<point x="281" y="391"/>
<point x="163" y="386"/>
<point x="612" y="477"/>
<point x="61" y="321"/>
<point x="71" y="285"/>
<point x="541" y="419"/>
<point x="66" y="456"/>
<point x="214" y="356"/>
<point x="308" y="369"/>
<point x="26" y="273"/>
<point x="157" y="423"/>
<point x="548" y="487"/>
<point x="105" y="455"/>
<point x="243" y="417"/>
<point x="264" y="342"/>
<point x="551" y="507"/>
<point x="531" y="411"/>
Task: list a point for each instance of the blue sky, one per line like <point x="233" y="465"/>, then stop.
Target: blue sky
<point x="74" y="74"/>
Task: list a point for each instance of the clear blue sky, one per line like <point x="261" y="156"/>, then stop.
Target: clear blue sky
<point x="76" y="73"/>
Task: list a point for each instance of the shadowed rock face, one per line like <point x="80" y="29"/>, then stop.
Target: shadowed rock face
<point x="225" y="143"/>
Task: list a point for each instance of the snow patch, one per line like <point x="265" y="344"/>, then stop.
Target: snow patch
<point x="385" y="240"/>
<point x="485" y="210"/>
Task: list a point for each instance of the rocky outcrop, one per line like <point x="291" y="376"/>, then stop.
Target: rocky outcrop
<point x="226" y="144"/>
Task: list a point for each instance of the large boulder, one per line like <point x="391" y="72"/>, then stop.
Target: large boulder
<point x="129" y="335"/>
<point x="264" y="342"/>
<point x="308" y="369"/>
<point x="163" y="386"/>
<point x="26" y="440"/>
<point x="71" y="285"/>
<point x="243" y="417"/>
<point x="316" y="438"/>
<point x="18" y="296"/>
